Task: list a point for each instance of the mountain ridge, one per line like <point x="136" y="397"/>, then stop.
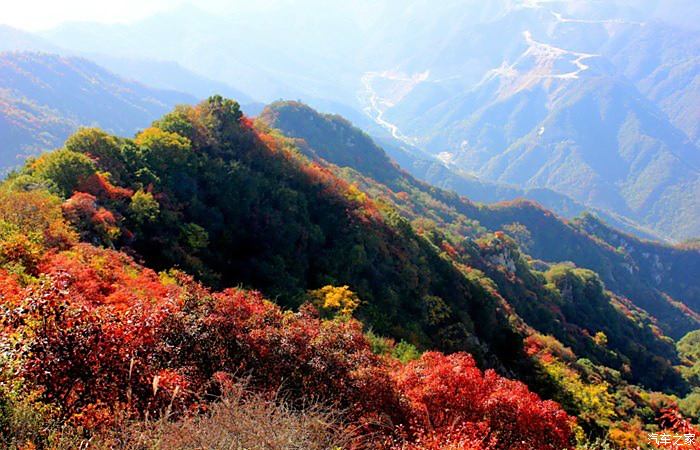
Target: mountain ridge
<point x="501" y="132"/>
<point x="46" y="97"/>
<point x="617" y="268"/>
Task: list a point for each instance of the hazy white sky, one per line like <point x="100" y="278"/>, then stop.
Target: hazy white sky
<point x="36" y="15"/>
<point x="41" y="14"/>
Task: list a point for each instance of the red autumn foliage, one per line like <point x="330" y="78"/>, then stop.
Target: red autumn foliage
<point x="82" y="356"/>
<point x="100" y="187"/>
<point x="451" y="396"/>
<point x="90" y="219"/>
<point x="449" y="249"/>
<point x="672" y="421"/>
<point x="102" y="277"/>
<point x="10" y="291"/>
<point x="105" y="330"/>
<point x="80" y="207"/>
<point x="470" y="437"/>
<point x="104" y="334"/>
<point x="299" y="354"/>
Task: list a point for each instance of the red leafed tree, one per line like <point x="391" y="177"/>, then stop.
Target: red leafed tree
<point x="672" y="421"/>
<point x="297" y="353"/>
<point x="99" y="186"/>
<point x="91" y="220"/>
<point x="453" y="398"/>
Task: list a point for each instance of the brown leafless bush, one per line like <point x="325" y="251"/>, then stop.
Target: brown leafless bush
<point x="240" y="420"/>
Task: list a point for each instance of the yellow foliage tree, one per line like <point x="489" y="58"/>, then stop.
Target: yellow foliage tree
<point x="355" y="194"/>
<point x="335" y="300"/>
<point x="592" y="401"/>
<point x="601" y="339"/>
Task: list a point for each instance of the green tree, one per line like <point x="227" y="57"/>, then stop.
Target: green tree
<point x="221" y="116"/>
<point x="405" y="352"/>
<point x="100" y="146"/>
<point x="689" y="351"/>
<point x="64" y="168"/>
<point x="690" y="405"/>
<point x="195" y="236"/>
<point x="144" y="207"/>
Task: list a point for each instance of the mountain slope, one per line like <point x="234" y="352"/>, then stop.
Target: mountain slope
<point x="235" y="203"/>
<point x="168" y="75"/>
<point x="12" y="39"/>
<point x="562" y="120"/>
<point x="96" y="346"/>
<point x="46" y="97"/>
<point x="236" y="206"/>
<point x="628" y="273"/>
<point x="432" y="170"/>
<point x="156" y="72"/>
<point x="586" y="98"/>
<point x="254" y="46"/>
<point x="662" y="61"/>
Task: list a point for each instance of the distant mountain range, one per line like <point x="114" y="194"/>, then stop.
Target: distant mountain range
<point x="433" y="170"/>
<point x="169" y="75"/>
<point x="564" y="121"/>
<point x="44" y="98"/>
<point x="601" y="108"/>
<point x="595" y="100"/>
<point x="12" y="39"/>
<point x="664" y="64"/>
<point x="47" y="92"/>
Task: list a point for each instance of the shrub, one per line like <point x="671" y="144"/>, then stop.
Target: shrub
<point x="456" y="400"/>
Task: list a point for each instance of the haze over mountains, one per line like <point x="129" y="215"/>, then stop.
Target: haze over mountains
<point x="44" y="98"/>
<point x="593" y="100"/>
<point x="47" y="92"/>
<point x="47" y="97"/>
<point x="557" y="112"/>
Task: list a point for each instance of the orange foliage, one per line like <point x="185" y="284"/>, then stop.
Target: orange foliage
<point x="91" y="220"/>
<point x="36" y="212"/>
<point x="100" y="187"/>
<point x="10" y="290"/>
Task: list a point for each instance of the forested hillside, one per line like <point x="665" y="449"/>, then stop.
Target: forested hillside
<point x="135" y="275"/>
<point x="651" y="275"/>
<point x="437" y="173"/>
